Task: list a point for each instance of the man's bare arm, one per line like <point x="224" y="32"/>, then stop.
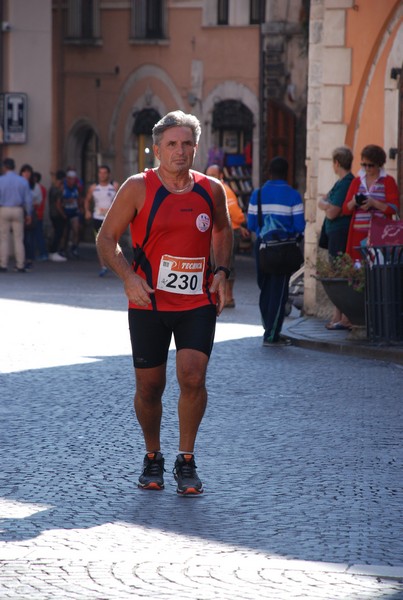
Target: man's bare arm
<point x="127" y="203"/>
<point x="222" y="241"/>
<point x="87" y="201"/>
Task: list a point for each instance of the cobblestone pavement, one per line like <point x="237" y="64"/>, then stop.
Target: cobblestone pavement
<point x="300" y="453"/>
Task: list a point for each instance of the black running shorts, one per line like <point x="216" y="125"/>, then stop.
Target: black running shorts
<point x="151" y="333"/>
<point x="97" y="224"/>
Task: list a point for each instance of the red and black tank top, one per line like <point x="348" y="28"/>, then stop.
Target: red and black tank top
<point x="171" y="238"/>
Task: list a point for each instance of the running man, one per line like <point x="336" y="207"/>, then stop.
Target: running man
<point x="175" y="215"/>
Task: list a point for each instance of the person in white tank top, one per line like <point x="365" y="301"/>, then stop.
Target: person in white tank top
<point x="98" y="201"/>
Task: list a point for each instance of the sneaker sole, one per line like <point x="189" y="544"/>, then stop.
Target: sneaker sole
<point x="190" y="492"/>
<point x="151" y="486"/>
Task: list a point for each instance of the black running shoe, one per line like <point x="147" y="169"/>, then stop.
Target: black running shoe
<point x="186" y="476"/>
<point x="152" y="477"/>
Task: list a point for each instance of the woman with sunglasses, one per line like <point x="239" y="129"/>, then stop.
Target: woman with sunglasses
<point x="372" y="192"/>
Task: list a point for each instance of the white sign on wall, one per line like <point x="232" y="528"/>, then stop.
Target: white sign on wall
<point x="13" y="118"/>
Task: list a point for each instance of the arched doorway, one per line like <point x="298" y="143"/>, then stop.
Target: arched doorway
<point x="89" y="158"/>
<point x="232" y="126"/>
<point x="83" y="156"/>
<point x="142" y="130"/>
<point x="82" y="152"/>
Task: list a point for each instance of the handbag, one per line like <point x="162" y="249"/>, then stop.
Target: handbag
<point x="277" y="256"/>
<point x="280" y="258"/>
<point x="385" y="232"/>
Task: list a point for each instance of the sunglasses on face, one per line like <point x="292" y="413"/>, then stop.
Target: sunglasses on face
<point x="367" y="165"/>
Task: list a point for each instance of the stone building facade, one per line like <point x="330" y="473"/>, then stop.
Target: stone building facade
<point x="354" y="98"/>
<point x="97" y="74"/>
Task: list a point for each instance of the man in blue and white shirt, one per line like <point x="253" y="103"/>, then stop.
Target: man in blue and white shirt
<point x="282" y="204"/>
<point x="15" y="211"/>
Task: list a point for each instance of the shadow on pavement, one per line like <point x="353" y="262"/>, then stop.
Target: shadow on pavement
<point x="310" y="473"/>
<point x="77" y="283"/>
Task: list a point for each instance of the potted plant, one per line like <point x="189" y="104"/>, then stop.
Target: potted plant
<point x="343" y="280"/>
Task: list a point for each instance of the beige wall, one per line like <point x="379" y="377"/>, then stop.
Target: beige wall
<point x="28" y="58"/>
<point x="371" y="106"/>
<point x="351" y="99"/>
<point x="208" y="62"/>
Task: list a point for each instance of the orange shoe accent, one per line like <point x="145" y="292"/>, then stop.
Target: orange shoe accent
<point x="191" y="492"/>
<point x="151" y="486"/>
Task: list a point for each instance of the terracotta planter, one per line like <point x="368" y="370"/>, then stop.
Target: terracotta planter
<point x="345" y="298"/>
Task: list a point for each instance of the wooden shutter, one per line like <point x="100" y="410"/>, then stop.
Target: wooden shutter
<point x="280" y="135"/>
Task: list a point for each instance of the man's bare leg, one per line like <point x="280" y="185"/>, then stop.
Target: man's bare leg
<point x="150" y="385"/>
<point x="191" y="368"/>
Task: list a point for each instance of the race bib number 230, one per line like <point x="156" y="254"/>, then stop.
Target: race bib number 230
<point x="179" y="275"/>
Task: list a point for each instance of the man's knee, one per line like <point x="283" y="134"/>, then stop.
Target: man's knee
<point x="149" y="389"/>
<point x="192" y="373"/>
<point x="192" y="381"/>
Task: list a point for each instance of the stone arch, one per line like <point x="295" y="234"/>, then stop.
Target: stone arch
<point x="147" y="101"/>
<point x="393" y="120"/>
<point x="230" y="90"/>
<point x="368" y="75"/>
<point x="145" y="72"/>
<point x="82" y="150"/>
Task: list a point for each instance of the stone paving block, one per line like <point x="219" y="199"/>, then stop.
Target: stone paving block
<point x="301" y="464"/>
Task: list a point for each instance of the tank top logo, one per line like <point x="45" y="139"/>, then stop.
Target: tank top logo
<point x="203" y="222"/>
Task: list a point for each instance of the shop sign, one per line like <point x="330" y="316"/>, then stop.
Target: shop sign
<point x="13" y="118"/>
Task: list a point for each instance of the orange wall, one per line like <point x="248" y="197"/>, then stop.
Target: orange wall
<point x="364" y="25"/>
<point x="228" y="53"/>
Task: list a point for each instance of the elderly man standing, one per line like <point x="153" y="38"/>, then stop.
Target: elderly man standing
<point x="15" y="211"/>
<point x="175" y="215"/>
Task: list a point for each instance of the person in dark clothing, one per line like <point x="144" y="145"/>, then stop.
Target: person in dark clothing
<point x="282" y="205"/>
<point x="336" y="224"/>
<point x="57" y="217"/>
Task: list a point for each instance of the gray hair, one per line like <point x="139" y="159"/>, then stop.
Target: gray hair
<point x="176" y="118"/>
<point x="344" y="157"/>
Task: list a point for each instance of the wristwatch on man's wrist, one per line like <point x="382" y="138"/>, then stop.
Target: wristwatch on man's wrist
<point x="225" y="270"/>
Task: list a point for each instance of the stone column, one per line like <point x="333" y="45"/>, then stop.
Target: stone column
<point x="329" y="72"/>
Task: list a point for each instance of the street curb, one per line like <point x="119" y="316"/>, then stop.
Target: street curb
<point x="343" y="349"/>
<point x="392" y="354"/>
